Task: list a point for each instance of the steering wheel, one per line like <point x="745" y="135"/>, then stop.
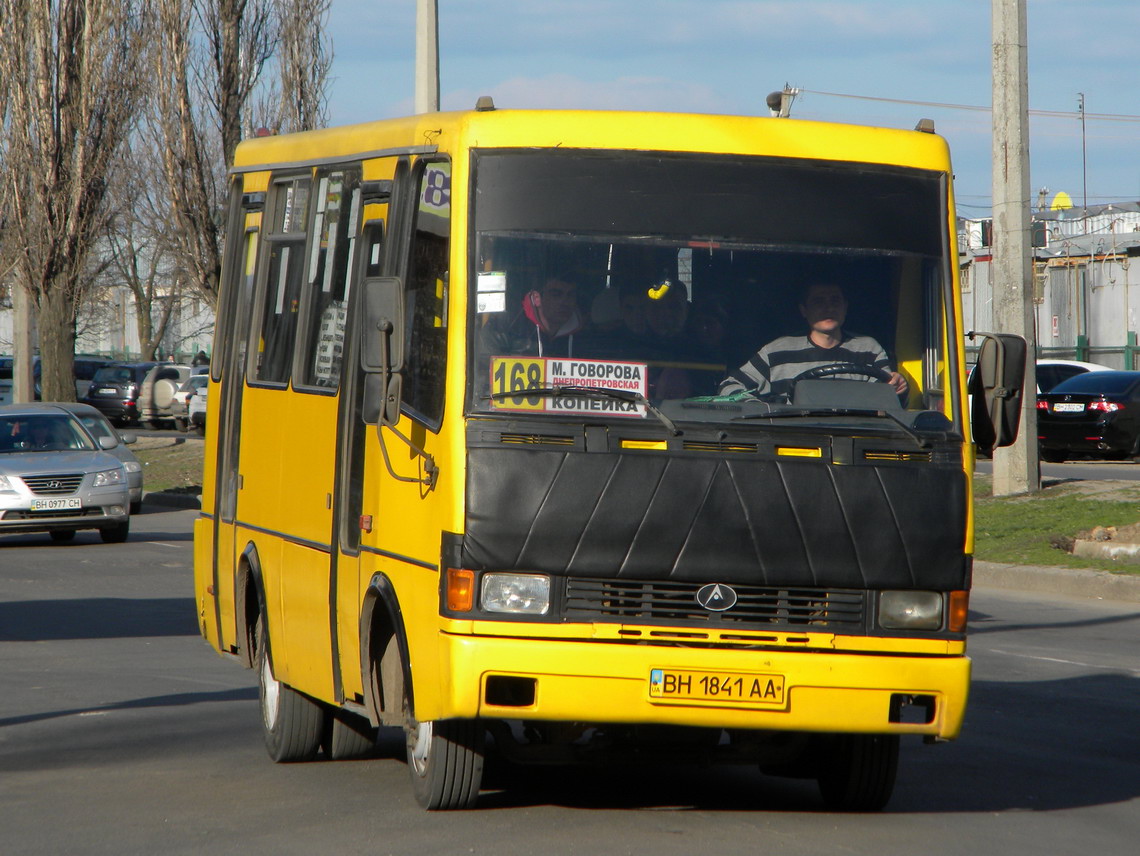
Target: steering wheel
<point x="870" y="372"/>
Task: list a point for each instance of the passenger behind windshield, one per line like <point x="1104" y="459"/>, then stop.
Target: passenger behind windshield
<point x="774" y="369"/>
<point x="543" y="325"/>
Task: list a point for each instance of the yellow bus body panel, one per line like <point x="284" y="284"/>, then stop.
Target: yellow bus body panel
<point x="583" y="681"/>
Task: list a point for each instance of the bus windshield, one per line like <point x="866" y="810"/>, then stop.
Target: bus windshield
<point x="614" y="284"/>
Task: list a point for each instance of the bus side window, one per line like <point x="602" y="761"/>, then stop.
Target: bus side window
<point x="281" y="287"/>
<point x="333" y="242"/>
<point x="425" y="374"/>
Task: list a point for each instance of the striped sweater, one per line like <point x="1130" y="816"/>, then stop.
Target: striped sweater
<point x="772" y="369"/>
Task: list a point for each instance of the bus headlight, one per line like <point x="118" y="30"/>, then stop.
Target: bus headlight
<point x="910" y="610"/>
<point x="518" y="594"/>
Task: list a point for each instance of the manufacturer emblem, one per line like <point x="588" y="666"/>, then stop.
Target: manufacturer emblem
<point x="716" y="597"/>
<point x="54" y="485"/>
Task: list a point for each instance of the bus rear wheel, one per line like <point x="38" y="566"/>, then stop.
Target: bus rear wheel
<point x="858" y="772"/>
<point x="291" y="722"/>
<point x="445" y="760"/>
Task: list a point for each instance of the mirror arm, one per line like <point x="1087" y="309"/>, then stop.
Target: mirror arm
<point x="430" y="469"/>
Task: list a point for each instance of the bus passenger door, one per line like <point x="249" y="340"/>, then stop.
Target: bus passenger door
<point x="350" y="519"/>
<point x="229" y="362"/>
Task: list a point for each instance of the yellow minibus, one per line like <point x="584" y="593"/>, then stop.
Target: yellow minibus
<point x="596" y="435"/>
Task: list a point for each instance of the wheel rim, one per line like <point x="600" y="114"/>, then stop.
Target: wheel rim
<point x="270" y="694"/>
<point x="419" y="746"/>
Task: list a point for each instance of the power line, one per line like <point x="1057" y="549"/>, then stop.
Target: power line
<point x="1057" y="114"/>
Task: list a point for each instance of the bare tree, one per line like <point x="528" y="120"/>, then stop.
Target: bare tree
<point x="71" y="70"/>
<point x="202" y="88"/>
<point x="141" y="250"/>
<point x="304" y="58"/>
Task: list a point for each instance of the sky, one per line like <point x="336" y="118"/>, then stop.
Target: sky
<point x="879" y="62"/>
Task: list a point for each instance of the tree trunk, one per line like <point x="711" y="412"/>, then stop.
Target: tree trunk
<point x="57" y="344"/>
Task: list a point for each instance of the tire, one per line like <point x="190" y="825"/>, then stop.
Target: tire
<point x="445" y="760"/>
<point x="163" y="394"/>
<point x="291" y="722"/>
<point x="62" y="536"/>
<point x="136" y="506"/>
<point x="182" y="424"/>
<point x="1053" y="456"/>
<point x="347" y="736"/>
<point x="859" y="771"/>
<point x="115" y="534"/>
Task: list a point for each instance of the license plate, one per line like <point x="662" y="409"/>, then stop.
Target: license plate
<point x="1068" y="407"/>
<point x="56" y="504"/>
<point x="106" y="391"/>
<point x="735" y="687"/>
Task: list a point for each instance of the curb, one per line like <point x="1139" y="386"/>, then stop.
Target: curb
<point x="1074" y="582"/>
<point x="172" y="499"/>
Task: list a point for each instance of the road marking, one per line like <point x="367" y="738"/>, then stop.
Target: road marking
<point x="1066" y="662"/>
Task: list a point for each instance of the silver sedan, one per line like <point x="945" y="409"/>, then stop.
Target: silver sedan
<point x="55" y="478"/>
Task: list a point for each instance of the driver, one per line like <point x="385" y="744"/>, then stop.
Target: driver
<point x="774" y="368"/>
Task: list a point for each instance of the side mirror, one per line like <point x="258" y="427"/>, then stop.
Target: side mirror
<point x="996" y="387"/>
<point x="382" y="324"/>
<point x="382" y="347"/>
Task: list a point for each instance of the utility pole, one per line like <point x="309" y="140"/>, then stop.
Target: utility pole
<point x="1084" y="156"/>
<point x="1016" y="467"/>
<point x="427" y="57"/>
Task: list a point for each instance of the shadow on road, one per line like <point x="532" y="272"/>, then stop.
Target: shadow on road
<point x="96" y="618"/>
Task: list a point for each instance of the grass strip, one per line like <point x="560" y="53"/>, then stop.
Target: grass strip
<point x="1027" y="530"/>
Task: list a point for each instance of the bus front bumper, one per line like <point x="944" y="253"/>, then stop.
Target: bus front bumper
<point x="816" y="691"/>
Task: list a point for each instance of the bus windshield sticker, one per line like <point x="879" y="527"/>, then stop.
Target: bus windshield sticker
<point x="492" y="292"/>
<point x="569" y="386"/>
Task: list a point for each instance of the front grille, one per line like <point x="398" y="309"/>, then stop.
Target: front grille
<point x="897" y="455"/>
<point x="537" y="439"/>
<point x="708" y="446"/>
<point x="672" y="602"/>
<point x="53" y="485"/>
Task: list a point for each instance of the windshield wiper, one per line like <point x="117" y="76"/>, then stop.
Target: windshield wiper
<point x="838" y="411"/>
<point x="572" y="391"/>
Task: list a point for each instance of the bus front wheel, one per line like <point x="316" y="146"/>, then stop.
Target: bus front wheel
<point x="291" y="722"/>
<point x="858" y="772"/>
<point x="445" y="760"/>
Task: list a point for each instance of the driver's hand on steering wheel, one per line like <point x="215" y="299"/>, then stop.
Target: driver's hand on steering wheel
<point x="898" y="383"/>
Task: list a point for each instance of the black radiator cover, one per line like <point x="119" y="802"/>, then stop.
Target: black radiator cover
<point x="710" y="519"/>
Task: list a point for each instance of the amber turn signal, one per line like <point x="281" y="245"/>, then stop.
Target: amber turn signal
<point x="460" y="590"/>
<point x="959" y="611"/>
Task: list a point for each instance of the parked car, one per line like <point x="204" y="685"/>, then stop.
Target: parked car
<point x="157" y="392"/>
<point x="197" y="408"/>
<point x="1052" y="372"/>
<point x="98" y="426"/>
<point x="180" y="407"/>
<point x="114" y="391"/>
<point x="1095" y="414"/>
<point x="55" y="478"/>
<point x="84" y="367"/>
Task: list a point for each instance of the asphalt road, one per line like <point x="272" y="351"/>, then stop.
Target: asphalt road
<point x="121" y="732"/>
<point x="1079" y="470"/>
